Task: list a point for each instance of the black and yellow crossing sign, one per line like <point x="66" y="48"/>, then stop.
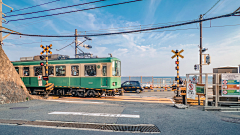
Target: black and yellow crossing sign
<point x="46" y="49"/>
<point x="49" y="86"/>
<point x="177" y="54"/>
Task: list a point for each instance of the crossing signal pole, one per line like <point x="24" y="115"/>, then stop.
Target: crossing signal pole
<point x="177" y="53"/>
<point x="49" y="86"/>
<point x="200" y="61"/>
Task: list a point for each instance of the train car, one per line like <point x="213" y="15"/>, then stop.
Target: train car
<point x="73" y="76"/>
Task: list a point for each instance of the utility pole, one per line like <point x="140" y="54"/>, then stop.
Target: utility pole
<point x="200" y="49"/>
<point x="76" y="43"/>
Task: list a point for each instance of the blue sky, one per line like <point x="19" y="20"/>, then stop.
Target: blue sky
<point x="146" y="53"/>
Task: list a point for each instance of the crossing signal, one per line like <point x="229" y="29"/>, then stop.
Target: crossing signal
<point x="196" y="67"/>
<point x="41" y="57"/>
<point x="42" y="64"/>
<point x="177" y="62"/>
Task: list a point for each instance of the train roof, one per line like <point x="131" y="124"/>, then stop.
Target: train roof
<point x="67" y="61"/>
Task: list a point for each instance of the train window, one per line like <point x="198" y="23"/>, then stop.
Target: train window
<point x="116" y="68"/>
<point x="75" y="70"/>
<point x="17" y="69"/>
<point x="50" y="70"/>
<point x="26" y="71"/>
<point x="90" y="70"/>
<point x="60" y="70"/>
<point x="113" y="68"/>
<point x="104" y="70"/>
<point x="37" y="70"/>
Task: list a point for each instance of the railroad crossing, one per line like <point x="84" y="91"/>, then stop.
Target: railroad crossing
<point x="49" y="86"/>
<point x="178" y="54"/>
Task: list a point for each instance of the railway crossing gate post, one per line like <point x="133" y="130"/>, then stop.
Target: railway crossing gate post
<point x="49" y="86"/>
<point x="177" y="53"/>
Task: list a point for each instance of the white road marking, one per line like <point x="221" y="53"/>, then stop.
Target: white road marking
<point x="172" y="100"/>
<point x="230" y="111"/>
<point x="97" y="114"/>
<point x="67" y="101"/>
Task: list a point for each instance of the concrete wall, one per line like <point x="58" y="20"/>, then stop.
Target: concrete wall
<point x="12" y="88"/>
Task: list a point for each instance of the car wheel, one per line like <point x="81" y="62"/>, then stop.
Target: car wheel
<point x="138" y="91"/>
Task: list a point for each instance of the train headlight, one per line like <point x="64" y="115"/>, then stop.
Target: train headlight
<point x="113" y="83"/>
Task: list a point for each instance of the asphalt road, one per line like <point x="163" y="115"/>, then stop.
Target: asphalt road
<point x="152" y="108"/>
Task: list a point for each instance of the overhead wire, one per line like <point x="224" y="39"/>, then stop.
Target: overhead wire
<point x="212" y="7"/>
<point x="64" y="46"/>
<point x="215" y="8"/>
<point x="41" y="41"/>
<point x="33" y="6"/>
<point x="125" y="32"/>
<point x="74" y="11"/>
<point x="132" y="27"/>
<point x="55" y="8"/>
<point x="140" y="33"/>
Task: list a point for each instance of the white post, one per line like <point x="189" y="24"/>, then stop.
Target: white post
<point x="187" y="78"/>
<point x="216" y="91"/>
<point x="206" y="88"/>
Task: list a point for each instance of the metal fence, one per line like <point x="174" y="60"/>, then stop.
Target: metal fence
<point x="150" y="80"/>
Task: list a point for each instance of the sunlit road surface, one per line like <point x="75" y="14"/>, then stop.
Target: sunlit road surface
<point x="116" y="98"/>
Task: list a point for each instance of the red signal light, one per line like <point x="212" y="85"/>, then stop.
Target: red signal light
<point x="42" y="63"/>
<point x="177" y="62"/>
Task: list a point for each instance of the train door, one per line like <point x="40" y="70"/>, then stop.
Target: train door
<point x="104" y="76"/>
<point x="26" y="74"/>
<point x="75" y="80"/>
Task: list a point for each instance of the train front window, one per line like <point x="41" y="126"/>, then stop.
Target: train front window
<point x="90" y="70"/>
<point x="37" y="70"/>
<point x="17" y="69"/>
<point x="60" y="70"/>
<point x="116" y="68"/>
<point x="26" y="71"/>
<point x="75" y="70"/>
<point x="104" y="70"/>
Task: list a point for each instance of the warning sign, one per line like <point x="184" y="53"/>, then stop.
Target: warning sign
<point x="191" y="90"/>
<point x="194" y="79"/>
<point x="224" y="92"/>
<point x="39" y="77"/>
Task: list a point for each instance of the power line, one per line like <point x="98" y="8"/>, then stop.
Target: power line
<point x="32" y="6"/>
<point x="137" y="33"/>
<point x="212" y="7"/>
<point x="216" y="8"/>
<point x="64" y="46"/>
<point x="55" y="8"/>
<point x="134" y="31"/>
<point x="131" y="27"/>
<point x="40" y="42"/>
<point x="74" y="11"/>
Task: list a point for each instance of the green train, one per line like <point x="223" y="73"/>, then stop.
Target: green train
<point x="72" y="76"/>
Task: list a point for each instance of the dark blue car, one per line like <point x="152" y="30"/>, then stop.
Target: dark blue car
<point x="132" y="86"/>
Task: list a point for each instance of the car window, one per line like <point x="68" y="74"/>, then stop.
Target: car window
<point x="126" y="83"/>
<point x="135" y="83"/>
